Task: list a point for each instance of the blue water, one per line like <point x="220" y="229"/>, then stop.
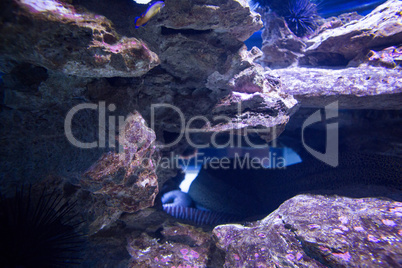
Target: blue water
<point x="328" y="8"/>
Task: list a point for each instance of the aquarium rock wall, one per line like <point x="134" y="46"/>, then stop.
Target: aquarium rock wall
<point x="88" y="99"/>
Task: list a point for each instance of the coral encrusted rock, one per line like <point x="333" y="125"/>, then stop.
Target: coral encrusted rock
<point x="127" y="178"/>
<point x="364" y="87"/>
<point x="380" y="28"/>
<point x="318" y="231"/>
<point x="194" y="39"/>
<point x="55" y="36"/>
<point x="181" y="246"/>
<point x="281" y="47"/>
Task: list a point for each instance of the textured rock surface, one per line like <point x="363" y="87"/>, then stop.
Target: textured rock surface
<point x="318" y="231"/>
<point x="181" y="246"/>
<point x="63" y="40"/>
<point x="348" y="40"/>
<point x="255" y="98"/>
<point x="195" y="39"/>
<point x="56" y="37"/>
<point x="335" y="47"/>
<point x="281" y="47"/>
<point x="231" y="17"/>
<point x="127" y="178"/>
<point x="355" y="88"/>
<point x="390" y="57"/>
<point x="66" y="56"/>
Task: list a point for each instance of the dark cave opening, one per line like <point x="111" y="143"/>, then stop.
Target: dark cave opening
<point x="236" y="184"/>
<point x="187" y="32"/>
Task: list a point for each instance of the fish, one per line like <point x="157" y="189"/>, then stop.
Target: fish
<point x="148" y="14"/>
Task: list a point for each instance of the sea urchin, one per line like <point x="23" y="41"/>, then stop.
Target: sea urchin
<point x="37" y="234"/>
<point x="301" y="16"/>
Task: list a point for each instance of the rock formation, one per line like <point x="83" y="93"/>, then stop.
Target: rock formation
<point x="88" y="101"/>
<point x="317" y="231"/>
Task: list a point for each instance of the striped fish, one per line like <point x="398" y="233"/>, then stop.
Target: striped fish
<point x="198" y="216"/>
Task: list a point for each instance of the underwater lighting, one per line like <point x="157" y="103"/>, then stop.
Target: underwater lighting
<point x="191" y="174"/>
<point x="49" y="5"/>
<point x="142" y="1"/>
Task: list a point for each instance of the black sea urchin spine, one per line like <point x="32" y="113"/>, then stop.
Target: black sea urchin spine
<point x="301" y="16"/>
<point x="38" y="234"/>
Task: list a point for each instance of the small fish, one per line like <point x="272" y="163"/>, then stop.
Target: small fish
<point x="149" y="13"/>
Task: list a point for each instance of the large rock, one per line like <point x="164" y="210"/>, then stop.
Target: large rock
<point x="380" y="28"/>
<point x="363" y="87"/>
<point x="127" y="177"/>
<point x="195" y="39"/>
<point x="318" y="231"/>
<point x="55" y="36"/>
<point x="233" y="17"/>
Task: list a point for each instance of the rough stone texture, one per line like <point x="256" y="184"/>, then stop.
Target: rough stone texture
<point x="233" y="17"/>
<point x="195" y="39"/>
<point x="181" y="246"/>
<point x="318" y="231"/>
<point x="281" y="47"/>
<point x="57" y="37"/>
<point x="336" y="22"/>
<point x="203" y="71"/>
<point x="246" y="95"/>
<point x="336" y="47"/>
<point x="390" y="57"/>
<point x="45" y="46"/>
<point x="364" y="87"/>
<point x="128" y="177"/>
<point x="248" y="113"/>
<point x="255" y="98"/>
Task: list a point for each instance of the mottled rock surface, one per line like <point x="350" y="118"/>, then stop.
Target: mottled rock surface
<point x="336" y="47"/>
<point x="195" y="39"/>
<point x="55" y="56"/>
<point x="181" y="246"/>
<point x="281" y="47"/>
<point x="390" y="57"/>
<point x="127" y="178"/>
<point x="363" y="87"/>
<point x="55" y="36"/>
<point x="318" y="231"/>
<point x="233" y="17"/>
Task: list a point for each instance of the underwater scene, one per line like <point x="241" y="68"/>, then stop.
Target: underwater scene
<point x="201" y="133"/>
